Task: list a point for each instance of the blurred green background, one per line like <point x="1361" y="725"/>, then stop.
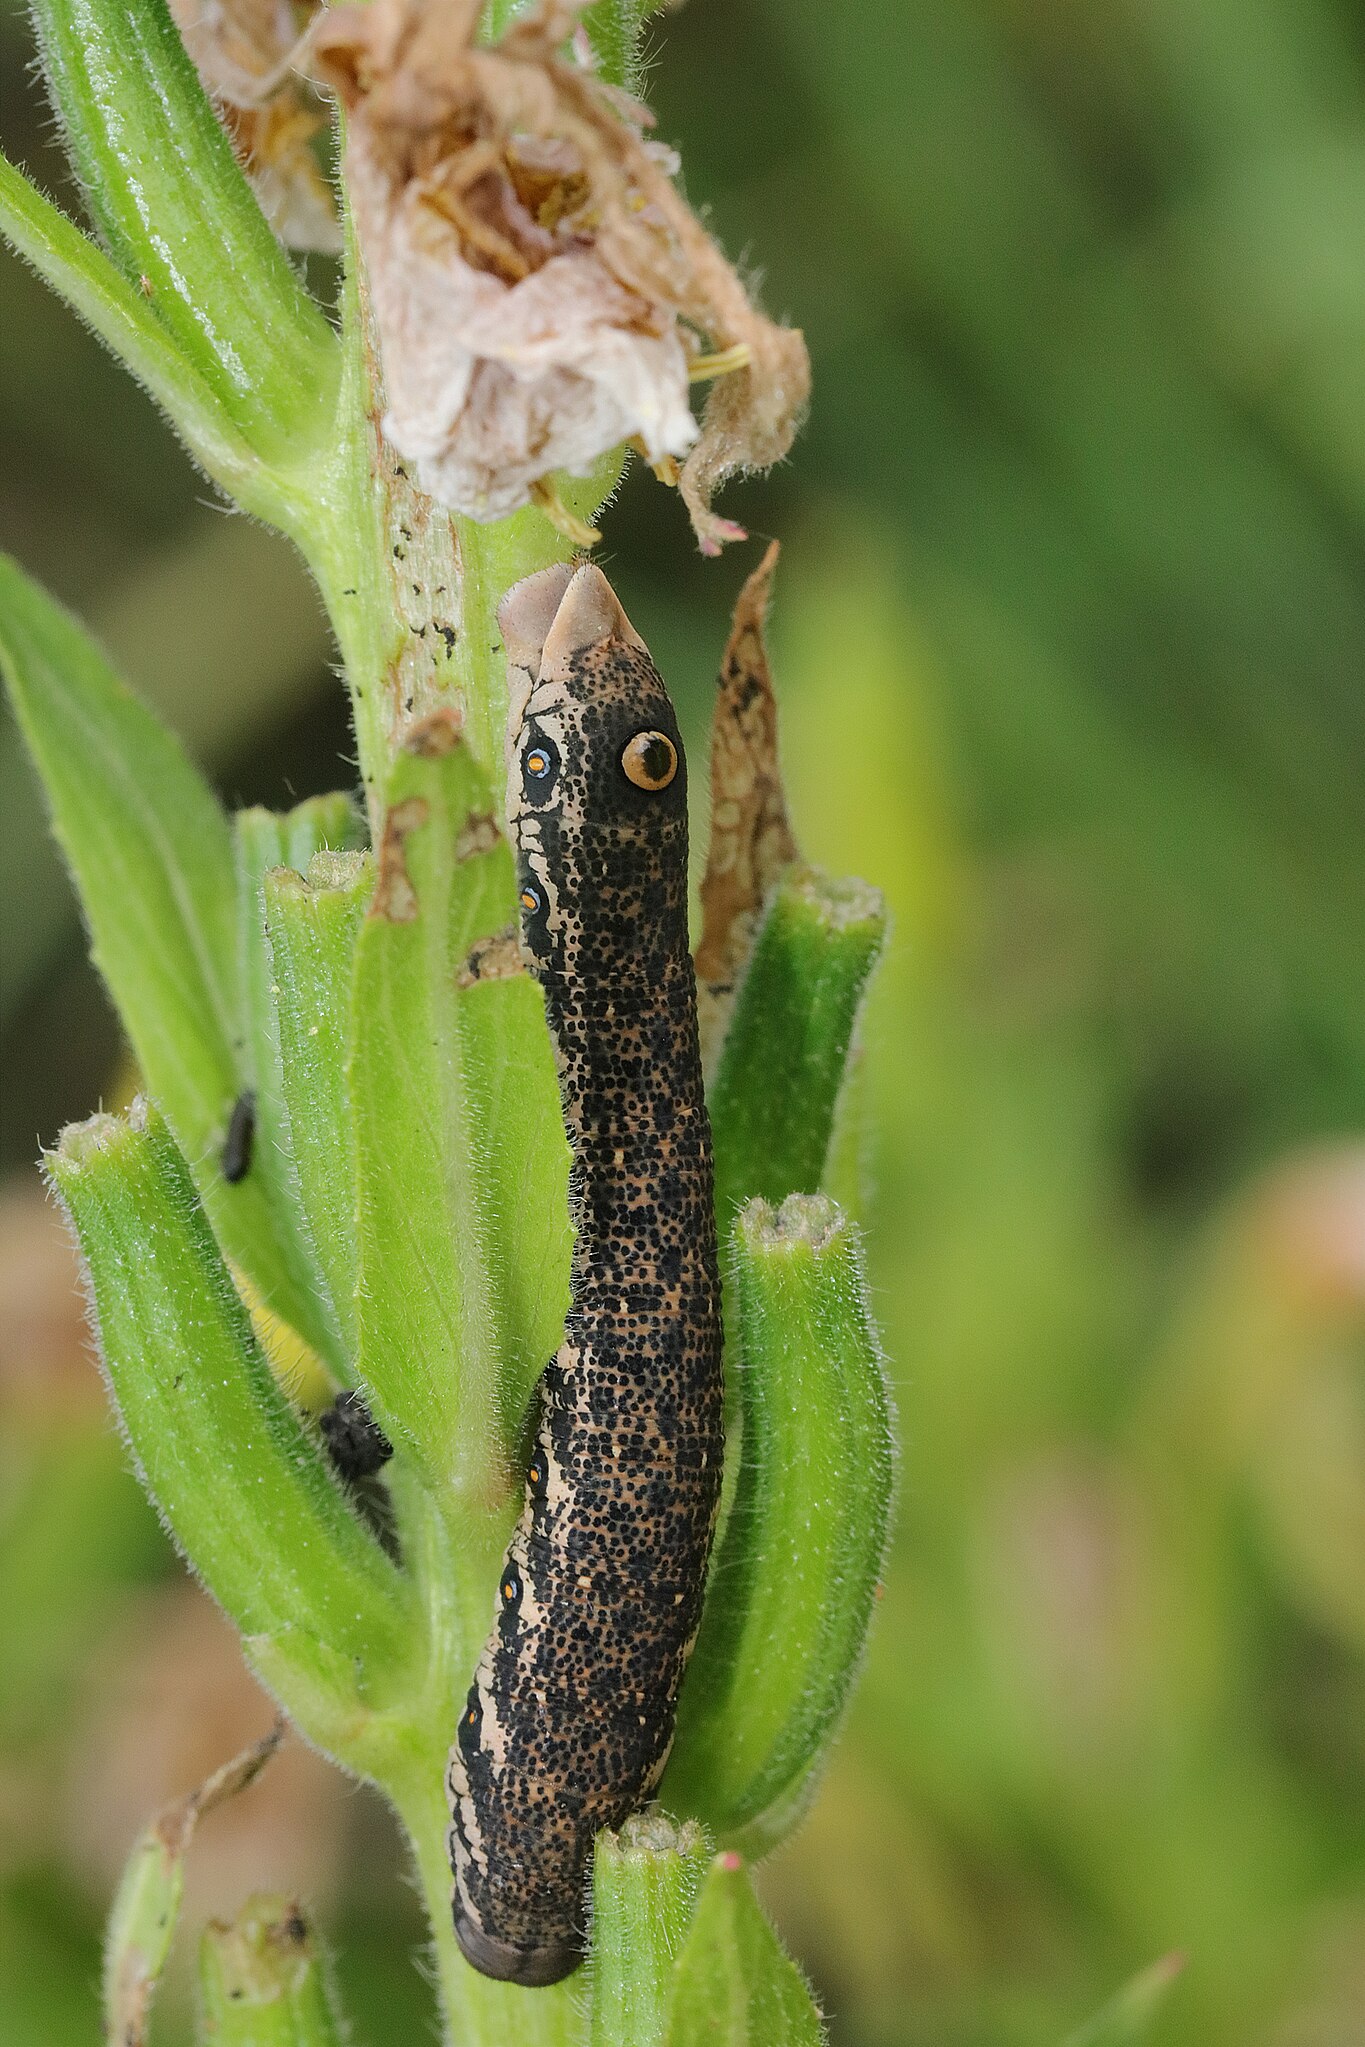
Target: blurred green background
<point x="1070" y="640"/>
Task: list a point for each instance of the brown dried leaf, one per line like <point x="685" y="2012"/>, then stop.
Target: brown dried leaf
<point x="176" y="1823"/>
<point x="540" y="287"/>
<point x="751" y="841"/>
<point x="750" y="419"/>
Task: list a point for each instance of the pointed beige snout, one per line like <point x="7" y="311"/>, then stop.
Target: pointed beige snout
<point x="558" y="613"/>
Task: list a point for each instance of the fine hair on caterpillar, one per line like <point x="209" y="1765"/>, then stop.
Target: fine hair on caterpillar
<point x="567" y="1725"/>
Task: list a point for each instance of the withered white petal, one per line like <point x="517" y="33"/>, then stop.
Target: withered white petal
<point x="491" y="385"/>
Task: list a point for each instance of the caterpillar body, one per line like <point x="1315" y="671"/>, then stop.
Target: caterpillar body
<point x="568" y="1723"/>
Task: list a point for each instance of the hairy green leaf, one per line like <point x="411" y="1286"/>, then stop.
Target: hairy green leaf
<point x="732" y="1986"/>
<point x="150" y="853"/>
<point x="240" y="1484"/>
<point x="263" y="841"/>
<point x="313" y="923"/>
<point x="793" y="1583"/>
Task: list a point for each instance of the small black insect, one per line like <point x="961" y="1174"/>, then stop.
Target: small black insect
<point x="355" y="1442"/>
<point x="357" y="1450"/>
<point x="569" y="1720"/>
<point x="241" y="1138"/>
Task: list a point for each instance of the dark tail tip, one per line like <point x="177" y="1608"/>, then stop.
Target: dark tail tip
<point x="533" y="1967"/>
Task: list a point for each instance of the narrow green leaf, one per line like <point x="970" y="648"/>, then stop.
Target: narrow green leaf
<point x="263" y="1983"/>
<point x="146" y="1907"/>
<point x="645" y="1882"/>
<point x="241" y="1486"/>
<point x="1128" y="2018"/>
<point x="459" y="1153"/>
<point x="119" y="313"/>
<point x="793" y="1585"/>
<point x="150" y="853"/>
<point x="263" y="841"/>
<point x="171" y="201"/>
<point x="732" y="1985"/>
<point x="313" y="923"/>
<point x="148" y="848"/>
<point x="782" y="1065"/>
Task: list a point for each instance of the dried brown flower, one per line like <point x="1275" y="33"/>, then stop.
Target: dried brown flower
<point x="542" y="291"/>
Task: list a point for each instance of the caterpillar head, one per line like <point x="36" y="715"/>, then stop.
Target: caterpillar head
<point x="596" y="781"/>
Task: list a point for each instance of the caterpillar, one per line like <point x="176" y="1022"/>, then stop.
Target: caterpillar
<point x="569" y="1719"/>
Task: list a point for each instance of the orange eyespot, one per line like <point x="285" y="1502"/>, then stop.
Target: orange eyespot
<point x="530" y="901"/>
<point x="537" y="762"/>
<point x="650" y="760"/>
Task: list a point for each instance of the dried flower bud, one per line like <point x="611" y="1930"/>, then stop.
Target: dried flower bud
<point x="542" y="292"/>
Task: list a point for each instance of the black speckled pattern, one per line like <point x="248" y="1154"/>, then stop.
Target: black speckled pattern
<point x="568" y="1722"/>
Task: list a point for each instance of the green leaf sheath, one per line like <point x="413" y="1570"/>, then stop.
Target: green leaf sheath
<point x="312" y="924"/>
<point x="449" y="1344"/>
<point x="119" y="313"/>
<point x="150" y="853"/>
<point x="166" y="192"/>
<point x="240" y="1484"/>
<point x="263" y="1983"/>
<point x="264" y="841"/>
<point x="782" y="1065"/>
<point x="645" y="1881"/>
<point x="732" y="1985"/>
<point x="793" y="1583"/>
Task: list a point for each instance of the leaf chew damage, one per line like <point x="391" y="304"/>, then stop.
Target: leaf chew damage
<point x="542" y="291"/>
